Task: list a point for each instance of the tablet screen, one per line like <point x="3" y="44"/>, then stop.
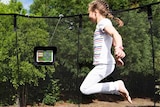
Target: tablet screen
<point x="44" y="55"/>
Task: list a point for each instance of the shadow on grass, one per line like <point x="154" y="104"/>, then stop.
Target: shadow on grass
<point x="101" y="97"/>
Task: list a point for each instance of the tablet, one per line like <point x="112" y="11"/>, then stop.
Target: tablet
<point x="44" y="55"/>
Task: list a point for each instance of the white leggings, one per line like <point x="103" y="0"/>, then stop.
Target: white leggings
<point x="92" y="85"/>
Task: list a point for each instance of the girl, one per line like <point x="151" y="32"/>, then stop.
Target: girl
<point x="104" y="36"/>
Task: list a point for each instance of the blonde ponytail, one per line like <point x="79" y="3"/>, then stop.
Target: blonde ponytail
<point x="116" y="19"/>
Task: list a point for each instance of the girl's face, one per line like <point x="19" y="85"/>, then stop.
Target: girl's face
<point x="92" y="15"/>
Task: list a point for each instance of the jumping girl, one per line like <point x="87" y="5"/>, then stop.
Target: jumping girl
<point x="105" y="36"/>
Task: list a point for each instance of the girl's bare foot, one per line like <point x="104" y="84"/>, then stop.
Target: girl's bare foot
<point x="123" y="91"/>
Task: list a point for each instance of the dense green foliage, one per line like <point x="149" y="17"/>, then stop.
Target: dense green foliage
<point x="22" y="80"/>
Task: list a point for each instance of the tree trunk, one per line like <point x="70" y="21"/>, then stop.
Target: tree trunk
<point x="18" y="99"/>
<point x="21" y="96"/>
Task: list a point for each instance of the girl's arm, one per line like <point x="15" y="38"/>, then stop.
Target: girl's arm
<point x="117" y="43"/>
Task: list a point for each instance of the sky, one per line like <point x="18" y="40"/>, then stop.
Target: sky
<point x="26" y="3"/>
<point x="5" y="1"/>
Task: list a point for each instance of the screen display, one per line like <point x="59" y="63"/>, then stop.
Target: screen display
<point x="44" y="55"/>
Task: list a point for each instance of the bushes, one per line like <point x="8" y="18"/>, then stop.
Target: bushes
<point x="52" y="94"/>
<point x="49" y="99"/>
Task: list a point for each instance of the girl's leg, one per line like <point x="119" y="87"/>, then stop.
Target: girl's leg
<point x="91" y="83"/>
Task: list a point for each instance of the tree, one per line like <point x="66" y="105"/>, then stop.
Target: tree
<point x="155" y="33"/>
<point x="17" y="64"/>
<point x="56" y="7"/>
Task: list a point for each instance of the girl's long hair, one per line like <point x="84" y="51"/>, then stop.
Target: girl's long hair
<point x="104" y="10"/>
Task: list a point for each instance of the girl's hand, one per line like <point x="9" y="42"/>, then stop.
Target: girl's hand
<point x="119" y="55"/>
<point x="119" y="62"/>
